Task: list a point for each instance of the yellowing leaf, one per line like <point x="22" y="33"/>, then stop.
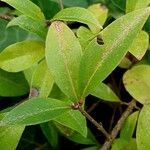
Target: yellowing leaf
<point x="80" y="15"/>
<point x="26" y="7"/>
<point x="140" y="45"/>
<point x="100" y="12"/>
<point x="21" y="55"/>
<point x="63" y="55"/>
<point x="137" y="83"/>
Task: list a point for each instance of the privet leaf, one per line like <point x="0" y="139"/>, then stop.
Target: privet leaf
<point x="136" y="4"/>
<point x="63" y="55"/>
<point x="35" y="111"/>
<point x="74" y="120"/>
<point x="140" y="45"/>
<point x="137" y="83"/>
<point x="10" y="136"/>
<point x="80" y="15"/>
<point x="14" y="81"/>
<point x="27" y="7"/>
<point x="104" y="92"/>
<point x="143" y="129"/>
<point x="17" y="33"/>
<point x="99" y="61"/>
<point x="42" y="80"/>
<point x="26" y="23"/>
<point x="21" y="55"/>
<point x="129" y="126"/>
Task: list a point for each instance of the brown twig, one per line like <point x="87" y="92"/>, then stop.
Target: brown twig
<point x="6" y="17"/>
<point x="92" y="107"/>
<point x="118" y="126"/>
<point x="98" y="125"/>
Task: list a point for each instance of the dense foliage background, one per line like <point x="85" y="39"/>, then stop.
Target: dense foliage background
<point x="29" y="83"/>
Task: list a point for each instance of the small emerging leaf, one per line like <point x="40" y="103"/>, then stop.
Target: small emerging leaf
<point x="26" y="7"/>
<point x="21" y="55"/>
<point x="80" y="15"/>
<point x="35" y="111"/>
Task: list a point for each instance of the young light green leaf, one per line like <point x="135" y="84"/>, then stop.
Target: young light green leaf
<point x="10" y="136"/>
<point x="14" y="81"/>
<point x="140" y="45"/>
<point x="132" y="5"/>
<point x="122" y="144"/>
<point x="27" y="7"/>
<point x="26" y="23"/>
<point x="74" y="120"/>
<point x="21" y="55"/>
<point x="104" y="92"/>
<point x="99" y="61"/>
<point x="35" y="111"/>
<point x="129" y="126"/>
<point x="42" y="80"/>
<point x="63" y="55"/>
<point x="100" y="12"/>
<point x="80" y="15"/>
<point x="137" y="83"/>
<point x="143" y="129"/>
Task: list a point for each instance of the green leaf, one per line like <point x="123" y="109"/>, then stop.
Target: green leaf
<point x="104" y="92"/>
<point x="42" y="80"/>
<point x="21" y="55"/>
<point x="26" y="23"/>
<point x="140" y="45"/>
<point x="129" y="126"/>
<point x="143" y="129"/>
<point x="137" y="83"/>
<point x="132" y="5"/>
<point x="10" y="136"/>
<point x="100" y="12"/>
<point x="121" y="144"/>
<point x="63" y="55"/>
<point x="80" y="15"/>
<point x="14" y="81"/>
<point x="99" y="61"/>
<point x="35" y="111"/>
<point x="12" y="35"/>
<point x="74" y="120"/>
<point x="125" y="63"/>
<point x="27" y="8"/>
<point x="50" y="132"/>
